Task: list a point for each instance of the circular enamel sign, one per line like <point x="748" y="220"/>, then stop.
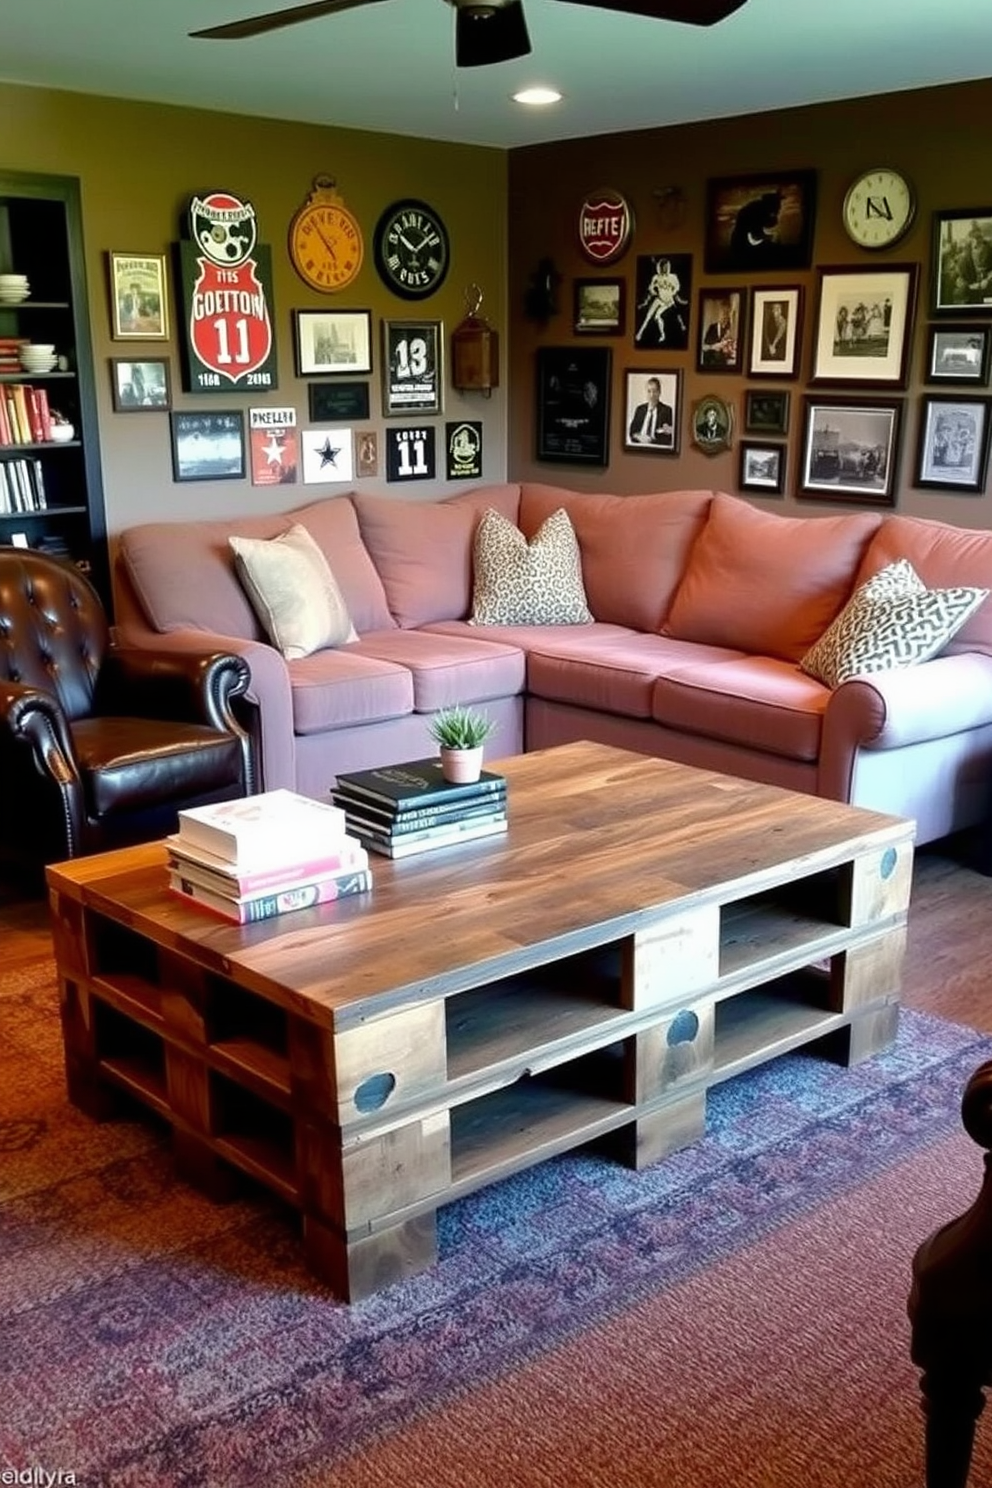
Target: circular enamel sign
<point x="605" y="226"/>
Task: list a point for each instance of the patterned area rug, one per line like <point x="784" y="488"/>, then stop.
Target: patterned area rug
<point x="150" y="1337"/>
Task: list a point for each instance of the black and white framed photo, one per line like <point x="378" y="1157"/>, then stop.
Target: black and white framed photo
<point x="712" y="424"/>
<point x="664" y="297"/>
<point x="760" y="222"/>
<point x="140" y="387"/>
<point x="599" y="307"/>
<point x="958" y="354"/>
<point x="411" y="453"/>
<point x="961" y="277"/>
<point x="208" y="446"/>
<point x="333" y="342"/>
<point x="766" y="412"/>
<point x="762" y="468"/>
<point x="653" y="410"/>
<point x="720" y="344"/>
<point x="953" y="445"/>
<point x="328" y="456"/>
<point x="864" y="322"/>
<point x="850" y="449"/>
<point x="573" y="404"/>
<point x="776" y="326"/>
<point x="412" y="377"/>
<point x="338" y="402"/>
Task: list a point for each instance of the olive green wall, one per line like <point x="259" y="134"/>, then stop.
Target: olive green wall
<point x="139" y="164"/>
<point x="938" y="137"/>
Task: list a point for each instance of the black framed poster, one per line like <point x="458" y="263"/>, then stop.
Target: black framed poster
<point x="411" y="367"/>
<point x="573" y="404"/>
<point x="338" y="402"/>
<point x="410" y="453"/>
<point x="463" y="443"/>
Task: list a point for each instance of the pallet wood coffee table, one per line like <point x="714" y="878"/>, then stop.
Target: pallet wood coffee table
<point x="643" y="931"/>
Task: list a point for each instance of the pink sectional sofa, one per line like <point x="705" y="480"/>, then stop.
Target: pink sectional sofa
<point x="702" y="608"/>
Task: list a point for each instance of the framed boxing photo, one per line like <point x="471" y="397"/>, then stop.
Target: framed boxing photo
<point x="760" y="222"/>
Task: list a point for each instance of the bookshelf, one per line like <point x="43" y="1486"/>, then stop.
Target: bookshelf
<point x="41" y="236"/>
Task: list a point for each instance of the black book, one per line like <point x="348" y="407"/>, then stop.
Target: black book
<point x="362" y="823"/>
<point x="414" y="784"/>
<point x="387" y="818"/>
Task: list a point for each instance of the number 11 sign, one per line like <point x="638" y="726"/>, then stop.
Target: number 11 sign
<point x="410" y="454"/>
<point x="411" y="375"/>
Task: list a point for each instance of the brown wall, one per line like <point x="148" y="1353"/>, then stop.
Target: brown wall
<point x="937" y="137"/>
<point x="139" y="164"/>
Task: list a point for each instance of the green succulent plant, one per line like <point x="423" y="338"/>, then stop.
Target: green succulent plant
<point x="460" y="728"/>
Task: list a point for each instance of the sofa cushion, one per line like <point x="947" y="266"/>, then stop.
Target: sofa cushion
<point x="755" y="702"/>
<point x="610" y="670"/>
<point x="766" y="584"/>
<point x="333" y="525"/>
<point x="891" y="621"/>
<point x="634" y="548"/>
<point x="339" y="689"/>
<point x="517" y="582"/>
<point x="450" y="669"/>
<point x="422" y="550"/>
<point x="943" y="556"/>
<point x="293" y="592"/>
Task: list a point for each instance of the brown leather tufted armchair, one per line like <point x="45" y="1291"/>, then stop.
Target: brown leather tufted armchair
<point x="100" y="745"/>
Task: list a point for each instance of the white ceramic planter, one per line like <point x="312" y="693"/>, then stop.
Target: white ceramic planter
<point x="461" y="766"/>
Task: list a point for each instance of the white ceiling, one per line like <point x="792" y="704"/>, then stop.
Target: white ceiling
<point x="389" y="66"/>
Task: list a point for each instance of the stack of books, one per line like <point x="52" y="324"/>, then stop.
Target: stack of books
<point x="263" y="855"/>
<point x="400" y="810"/>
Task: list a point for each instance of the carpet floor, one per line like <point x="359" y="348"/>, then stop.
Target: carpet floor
<point x="733" y="1316"/>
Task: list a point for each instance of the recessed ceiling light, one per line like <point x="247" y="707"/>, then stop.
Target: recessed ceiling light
<point x="537" y="97"/>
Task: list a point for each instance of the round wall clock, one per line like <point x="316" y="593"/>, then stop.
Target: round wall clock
<point x="412" y="250"/>
<point x="879" y="208"/>
<point x="325" y="240"/>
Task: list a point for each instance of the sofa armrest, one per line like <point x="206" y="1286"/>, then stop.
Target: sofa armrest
<point x="33" y="720"/>
<point x="889" y="710"/>
<point x="266" y="705"/>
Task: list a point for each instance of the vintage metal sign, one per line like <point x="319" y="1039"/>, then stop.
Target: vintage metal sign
<point x="605" y="226"/>
<point x="226" y="284"/>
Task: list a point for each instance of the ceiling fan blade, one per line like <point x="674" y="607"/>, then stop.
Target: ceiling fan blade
<point x="274" y="20"/>
<point x="489" y="31"/>
<point x="689" y="12"/>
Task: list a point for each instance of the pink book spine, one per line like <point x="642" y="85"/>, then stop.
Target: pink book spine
<point x="276" y="878"/>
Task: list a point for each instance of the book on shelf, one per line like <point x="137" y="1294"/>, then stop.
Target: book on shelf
<point x="267" y="830"/>
<point x="406" y="847"/>
<point x="415" y="783"/>
<point x="217" y="873"/>
<point x="249" y="910"/>
<point x="386" y="823"/>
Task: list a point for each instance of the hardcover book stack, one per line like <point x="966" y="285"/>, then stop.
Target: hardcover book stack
<point x="401" y="810"/>
<point x="264" y="855"/>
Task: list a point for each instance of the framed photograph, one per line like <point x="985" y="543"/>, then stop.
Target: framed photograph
<point x="760" y="222"/>
<point x="961" y="277"/>
<point x="953" y="449"/>
<point x="333" y="342"/>
<point x="338" y="402"/>
<point x="959" y="354"/>
<point x="762" y="468"/>
<point x="850" y="450"/>
<point x="664" y="290"/>
<point x="864" y="321"/>
<point x="140" y="387"/>
<point x="776" y="324"/>
<point x="766" y="412"/>
<point x="366" y="452"/>
<point x="139" y="302"/>
<point x="712" y="425"/>
<point x="573" y="404"/>
<point x="208" y="446"/>
<point x="720" y="347"/>
<point x="412" y="379"/>
<point x="653" y="410"/>
<point x="599" y="307"/>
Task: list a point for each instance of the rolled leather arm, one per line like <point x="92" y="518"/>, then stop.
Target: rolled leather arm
<point x="34" y="720"/>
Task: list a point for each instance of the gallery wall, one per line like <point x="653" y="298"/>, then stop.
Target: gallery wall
<point x="935" y="137"/>
<point x="138" y="166"/>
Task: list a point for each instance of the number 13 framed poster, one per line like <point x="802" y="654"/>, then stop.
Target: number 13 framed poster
<point x="411" y="367"/>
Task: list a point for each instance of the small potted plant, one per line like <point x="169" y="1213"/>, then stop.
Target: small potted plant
<point x="461" y="732"/>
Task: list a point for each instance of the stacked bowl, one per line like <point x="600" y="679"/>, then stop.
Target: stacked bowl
<point x="38" y="357"/>
<point x="13" y="288"/>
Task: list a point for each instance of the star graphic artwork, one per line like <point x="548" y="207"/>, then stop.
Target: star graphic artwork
<point x="274" y="451"/>
<point x="328" y="454"/>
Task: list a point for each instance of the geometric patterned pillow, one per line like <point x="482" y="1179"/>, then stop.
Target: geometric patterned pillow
<point x="891" y="621"/>
<point x="517" y="582"/>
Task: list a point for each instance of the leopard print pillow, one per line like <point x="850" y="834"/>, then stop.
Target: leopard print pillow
<point x="528" y="583"/>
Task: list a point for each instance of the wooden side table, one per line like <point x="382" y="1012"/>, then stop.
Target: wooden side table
<point x="950" y="1308"/>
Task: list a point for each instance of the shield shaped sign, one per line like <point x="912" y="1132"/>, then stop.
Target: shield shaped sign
<point x="226" y="283"/>
<point x="605" y="225"/>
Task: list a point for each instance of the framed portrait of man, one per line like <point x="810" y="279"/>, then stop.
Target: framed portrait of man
<point x="652" y="410"/>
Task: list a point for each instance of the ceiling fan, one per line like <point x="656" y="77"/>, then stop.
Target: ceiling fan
<point x="486" y="31"/>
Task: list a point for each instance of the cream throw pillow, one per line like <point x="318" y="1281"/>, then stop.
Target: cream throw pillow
<point x="528" y="583"/>
<point x="893" y="620"/>
<point x="293" y="592"/>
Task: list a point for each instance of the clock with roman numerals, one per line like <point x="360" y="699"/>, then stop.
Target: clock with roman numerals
<point x="412" y="251"/>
